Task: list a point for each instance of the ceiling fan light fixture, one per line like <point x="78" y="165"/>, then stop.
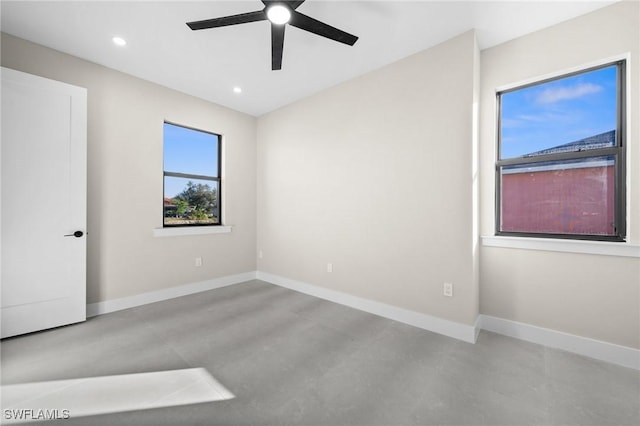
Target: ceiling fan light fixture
<point x="278" y="14"/>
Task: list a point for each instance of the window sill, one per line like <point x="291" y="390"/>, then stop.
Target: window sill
<point x="191" y="230"/>
<point x="568" y="246"/>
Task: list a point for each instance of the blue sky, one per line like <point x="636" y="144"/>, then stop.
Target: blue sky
<point x="558" y="112"/>
<point x="188" y="151"/>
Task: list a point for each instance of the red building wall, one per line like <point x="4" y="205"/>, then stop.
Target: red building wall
<point x="575" y="200"/>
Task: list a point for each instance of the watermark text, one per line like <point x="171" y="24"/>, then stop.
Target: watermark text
<point x="29" y="414"/>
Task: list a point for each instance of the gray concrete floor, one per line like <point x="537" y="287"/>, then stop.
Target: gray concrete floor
<point x="294" y="359"/>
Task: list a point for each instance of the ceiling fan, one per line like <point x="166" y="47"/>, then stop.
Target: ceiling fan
<point x="279" y="13"/>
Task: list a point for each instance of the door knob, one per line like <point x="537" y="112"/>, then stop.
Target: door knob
<point x="76" y="234"/>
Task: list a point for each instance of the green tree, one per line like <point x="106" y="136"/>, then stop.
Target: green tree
<point x="181" y="207"/>
<point x="201" y="197"/>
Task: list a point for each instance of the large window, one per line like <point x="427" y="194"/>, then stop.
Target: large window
<point x="191" y="177"/>
<point x="561" y="170"/>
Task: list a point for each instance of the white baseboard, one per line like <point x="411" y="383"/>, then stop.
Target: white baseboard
<point x="453" y="329"/>
<point x="604" y="351"/>
<point x="100" y="308"/>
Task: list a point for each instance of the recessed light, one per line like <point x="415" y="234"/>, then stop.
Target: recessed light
<point x="279" y="14"/>
<point x="237" y="90"/>
<point x="119" y="41"/>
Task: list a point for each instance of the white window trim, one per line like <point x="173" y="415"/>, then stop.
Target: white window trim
<point x="604" y="248"/>
<point x="570" y="70"/>
<point x="191" y="230"/>
<point x="574" y="246"/>
<point x="200" y="230"/>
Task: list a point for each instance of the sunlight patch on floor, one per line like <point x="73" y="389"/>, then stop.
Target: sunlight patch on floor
<point x="90" y="396"/>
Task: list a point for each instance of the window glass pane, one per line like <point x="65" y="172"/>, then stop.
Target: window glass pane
<point x="559" y="197"/>
<point x="190" y="151"/>
<point x="190" y="201"/>
<point x="565" y="115"/>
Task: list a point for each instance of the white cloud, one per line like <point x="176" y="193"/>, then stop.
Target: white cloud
<point x="551" y="95"/>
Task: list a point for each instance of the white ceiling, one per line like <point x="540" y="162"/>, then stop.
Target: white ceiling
<point x="210" y="63"/>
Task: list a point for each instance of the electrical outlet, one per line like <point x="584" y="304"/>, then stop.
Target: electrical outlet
<point x="329" y="267"/>
<point x="260" y="254"/>
<point x="198" y="261"/>
<point x="447" y="289"/>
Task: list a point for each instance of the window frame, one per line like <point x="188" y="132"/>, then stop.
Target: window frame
<point x="217" y="178"/>
<point x="618" y="151"/>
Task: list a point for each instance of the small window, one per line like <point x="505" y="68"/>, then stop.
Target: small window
<point x="561" y="170"/>
<point x="191" y="177"/>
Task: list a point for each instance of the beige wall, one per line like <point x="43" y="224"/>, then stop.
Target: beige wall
<point x="588" y="295"/>
<point x="125" y="117"/>
<point x="375" y="176"/>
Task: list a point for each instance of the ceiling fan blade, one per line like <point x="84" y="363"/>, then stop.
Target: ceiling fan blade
<point x="277" y="45"/>
<point x="242" y="18"/>
<point x="307" y="23"/>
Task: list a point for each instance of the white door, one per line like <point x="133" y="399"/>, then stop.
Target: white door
<point x="43" y="196"/>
